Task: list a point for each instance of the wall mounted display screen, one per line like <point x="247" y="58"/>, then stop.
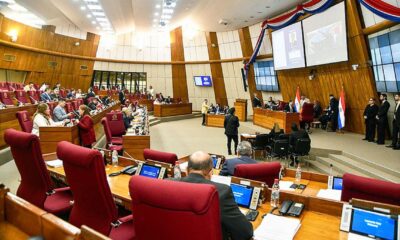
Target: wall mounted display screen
<point x="325" y="36"/>
<point x="288" y="47"/>
<point x="202" y="81"/>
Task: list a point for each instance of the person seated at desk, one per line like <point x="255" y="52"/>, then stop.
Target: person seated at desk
<point x="46" y="97"/>
<point x="57" y="86"/>
<point x="127" y="117"/>
<point x="294" y="136"/>
<point x="55" y="95"/>
<point x="234" y="223"/>
<point x="43" y="87"/>
<point x="78" y="93"/>
<point x="256" y="101"/>
<point x="218" y="109"/>
<point x="59" y="113"/>
<point x="90" y="93"/>
<point x="85" y="125"/>
<point x="161" y="97"/>
<point x="270" y="103"/>
<point x="29" y="87"/>
<point x="275" y="132"/>
<point x="42" y="118"/>
<point x="289" y="107"/>
<point x="93" y="104"/>
<point x="244" y="151"/>
<point x="168" y="100"/>
<point x="331" y="114"/>
<point x="71" y="94"/>
<point x="211" y="109"/>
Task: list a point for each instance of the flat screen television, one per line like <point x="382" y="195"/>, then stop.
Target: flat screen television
<point x="202" y="81"/>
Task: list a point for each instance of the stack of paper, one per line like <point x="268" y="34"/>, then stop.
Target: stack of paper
<point x="285" y="185"/>
<point x="330" y="194"/>
<point x="221" y="179"/>
<point x="275" y="227"/>
<point x="54" y="163"/>
<point x="183" y="166"/>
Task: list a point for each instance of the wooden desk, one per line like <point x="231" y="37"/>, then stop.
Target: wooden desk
<point x="215" y="120"/>
<point x="241" y="109"/>
<point x="149" y="103"/>
<point x="267" y="118"/>
<point x="174" y="109"/>
<point x="134" y="145"/>
<point x="50" y="136"/>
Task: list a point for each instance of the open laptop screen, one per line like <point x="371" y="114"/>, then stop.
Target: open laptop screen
<point x="337" y="183"/>
<point x="373" y="224"/>
<point x="150" y="171"/>
<point x="242" y="194"/>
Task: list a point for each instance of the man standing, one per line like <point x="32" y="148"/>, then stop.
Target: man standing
<point x="204" y="110"/>
<point x="244" y="151"/>
<point x="231" y="125"/>
<point x="151" y="92"/>
<point x="396" y="124"/>
<point x="234" y="223"/>
<point x="334" y="111"/>
<point x="256" y="101"/>
<point x="59" y="112"/>
<point x="370" y="120"/>
<point x="289" y="107"/>
<point x="382" y="119"/>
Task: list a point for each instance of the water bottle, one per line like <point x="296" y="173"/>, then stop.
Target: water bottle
<point x="275" y="194"/>
<point x="298" y="174"/>
<point x="103" y="155"/>
<point x="177" y="171"/>
<point x="114" y="158"/>
<point x="330" y="177"/>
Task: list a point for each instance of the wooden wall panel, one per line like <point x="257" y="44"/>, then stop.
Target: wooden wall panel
<point x="179" y="84"/>
<point x="247" y="51"/>
<point x="67" y="71"/>
<point x="216" y="69"/>
<point x="359" y="85"/>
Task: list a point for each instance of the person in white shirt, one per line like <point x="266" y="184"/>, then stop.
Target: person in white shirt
<point x="151" y="92"/>
<point x="29" y="87"/>
<point x="43" y="87"/>
<point x="78" y="94"/>
<point x="42" y="118"/>
<point x="303" y="100"/>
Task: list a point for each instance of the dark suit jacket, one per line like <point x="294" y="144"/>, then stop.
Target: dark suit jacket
<point x="121" y="97"/>
<point x="45" y="97"/>
<point x="297" y="135"/>
<point x="383" y="110"/>
<point x="334" y="106"/>
<point x="92" y="106"/>
<point x="228" y="169"/>
<point x="397" y="115"/>
<point x="370" y="112"/>
<point x="90" y="94"/>
<point x="86" y="130"/>
<point x="288" y="109"/>
<point x="256" y="102"/>
<point x="234" y="223"/>
<point x="127" y="121"/>
<point x="231" y="124"/>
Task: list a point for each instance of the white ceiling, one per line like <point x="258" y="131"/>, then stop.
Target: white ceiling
<point x="130" y="15"/>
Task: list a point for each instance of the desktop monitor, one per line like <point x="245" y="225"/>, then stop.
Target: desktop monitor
<point x="151" y="171"/>
<point x="373" y="224"/>
<point x="242" y="194"/>
<point x="337" y="183"/>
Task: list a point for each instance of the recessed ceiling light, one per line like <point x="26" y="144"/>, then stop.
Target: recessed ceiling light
<point x="93" y="22"/>
<point x="166" y="16"/>
<point x="155" y="20"/>
<point x="94" y="7"/>
<point x="88" y="16"/>
<point x="97" y="28"/>
<point x="101" y="19"/>
<point x="158" y="6"/>
<point x="156" y="14"/>
<point x="93" y="1"/>
<point x="167" y="10"/>
<point x="98" y="13"/>
<point x="83" y="8"/>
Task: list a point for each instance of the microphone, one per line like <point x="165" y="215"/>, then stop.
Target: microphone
<point x="34" y="101"/>
<point x="19" y="102"/>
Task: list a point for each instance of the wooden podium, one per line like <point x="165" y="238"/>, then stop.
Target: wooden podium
<point x="241" y="109"/>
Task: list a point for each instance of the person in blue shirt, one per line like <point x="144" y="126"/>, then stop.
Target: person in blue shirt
<point x="244" y="151"/>
<point x="45" y="97"/>
<point x="59" y="113"/>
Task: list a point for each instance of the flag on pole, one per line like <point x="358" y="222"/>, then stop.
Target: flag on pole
<point x="342" y="110"/>
<point x="297" y="106"/>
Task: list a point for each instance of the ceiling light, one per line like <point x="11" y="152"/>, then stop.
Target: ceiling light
<point x="17" y="8"/>
<point x="93" y="1"/>
<point x="155" y="20"/>
<point x="88" y="16"/>
<point x="93" y="22"/>
<point x="98" y="28"/>
<point x="156" y="14"/>
<point x="98" y="13"/>
<point x="167" y="10"/>
<point x="8" y="1"/>
<point x="166" y="16"/>
<point x="94" y="7"/>
<point x="83" y="8"/>
<point x="101" y="19"/>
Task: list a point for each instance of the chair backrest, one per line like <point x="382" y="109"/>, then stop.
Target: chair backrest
<point x="3" y="86"/>
<point x="68" y="107"/>
<point x="307" y="112"/>
<point x="25" y="121"/>
<point x="35" y="180"/>
<point x="263" y="172"/>
<point x="21" y="96"/>
<point x="63" y="93"/>
<point x="75" y="105"/>
<point x="107" y="130"/>
<point x="192" y="208"/>
<point x="302" y="146"/>
<point x="280" y="147"/>
<point x="33" y="96"/>
<point x="261" y="140"/>
<point x="6" y="98"/>
<point x="93" y="202"/>
<point x="370" y="189"/>
<point x="160" y="156"/>
<point x="281" y="106"/>
<point x="116" y="123"/>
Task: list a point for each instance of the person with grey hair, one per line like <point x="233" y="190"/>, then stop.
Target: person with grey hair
<point x="234" y="224"/>
<point x="244" y="152"/>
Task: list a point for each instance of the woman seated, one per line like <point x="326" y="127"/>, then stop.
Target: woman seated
<point x="127" y="117"/>
<point x="42" y="118"/>
<point x="85" y="125"/>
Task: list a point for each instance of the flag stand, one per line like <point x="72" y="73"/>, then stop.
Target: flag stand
<point x="340" y="131"/>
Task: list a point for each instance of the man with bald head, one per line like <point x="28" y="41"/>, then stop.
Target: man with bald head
<point x="235" y="226"/>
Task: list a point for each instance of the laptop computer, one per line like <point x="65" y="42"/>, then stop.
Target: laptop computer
<point x="148" y="170"/>
<point x="368" y="224"/>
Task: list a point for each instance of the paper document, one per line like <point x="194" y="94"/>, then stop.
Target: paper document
<point x="54" y="163"/>
<point x="285" y="185"/>
<point x="221" y="179"/>
<point x="275" y="227"/>
<point x="330" y="194"/>
<point x="183" y="166"/>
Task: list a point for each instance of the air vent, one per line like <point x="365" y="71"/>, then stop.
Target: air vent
<point x="84" y="67"/>
<point x="52" y="64"/>
<point x="9" y="57"/>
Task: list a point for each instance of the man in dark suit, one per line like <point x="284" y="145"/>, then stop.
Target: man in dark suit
<point x="289" y="107"/>
<point x="334" y="111"/>
<point x="235" y="226"/>
<point x="370" y="120"/>
<point x="45" y="97"/>
<point x="121" y="96"/>
<point x="396" y="124"/>
<point x="244" y="151"/>
<point x="93" y="104"/>
<point x="382" y="119"/>
<point x="231" y="125"/>
<point x="256" y="101"/>
<point x="295" y="135"/>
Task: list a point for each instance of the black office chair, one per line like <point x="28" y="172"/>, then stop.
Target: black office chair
<point x="301" y="149"/>
<point x="278" y="149"/>
<point x="260" y="144"/>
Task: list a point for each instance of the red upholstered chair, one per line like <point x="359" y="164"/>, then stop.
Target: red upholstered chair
<point x="33" y="96"/>
<point x="281" y="106"/>
<point x="116" y="123"/>
<point x="75" y="105"/>
<point x="35" y="186"/>
<point x="19" y="86"/>
<point x="68" y="107"/>
<point x="93" y="202"/>
<point x="25" y="121"/>
<point x="370" y="189"/>
<point x="79" y="101"/>
<point x="3" y="86"/>
<point x="113" y="143"/>
<point x="263" y="172"/>
<point x="63" y="93"/>
<point x="52" y="105"/>
<point x="96" y="89"/>
<point x="191" y="211"/>
<point x="307" y="113"/>
<point x="6" y="98"/>
<point x="21" y="96"/>
<point x="160" y="156"/>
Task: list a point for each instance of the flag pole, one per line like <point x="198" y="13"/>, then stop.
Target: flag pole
<point x="342" y="109"/>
